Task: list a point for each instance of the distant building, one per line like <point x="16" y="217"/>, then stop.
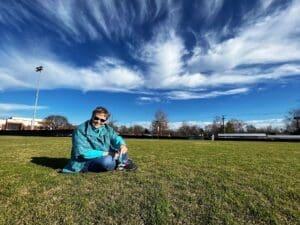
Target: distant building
<point x="2" y="122"/>
<point x="21" y="123"/>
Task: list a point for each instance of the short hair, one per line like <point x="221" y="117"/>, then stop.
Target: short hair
<point x="101" y="109"/>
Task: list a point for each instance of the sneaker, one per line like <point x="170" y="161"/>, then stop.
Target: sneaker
<point x="128" y="166"/>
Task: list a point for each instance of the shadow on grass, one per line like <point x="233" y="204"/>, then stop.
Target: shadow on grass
<point x="54" y="163"/>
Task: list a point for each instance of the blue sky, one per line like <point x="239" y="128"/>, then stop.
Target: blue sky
<point x="194" y="60"/>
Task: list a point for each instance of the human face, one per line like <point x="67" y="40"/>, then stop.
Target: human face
<point x="99" y="119"/>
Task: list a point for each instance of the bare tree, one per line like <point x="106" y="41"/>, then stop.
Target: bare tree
<point x="234" y="126"/>
<point x="269" y="130"/>
<point x="159" y="125"/>
<point x="217" y="125"/>
<point x="251" y="128"/>
<point x="183" y="130"/>
<point x="292" y="121"/>
<point x="55" y="122"/>
<point x="123" y="130"/>
<point x="113" y="123"/>
<point x="189" y="130"/>
<point x="138" y="130"/>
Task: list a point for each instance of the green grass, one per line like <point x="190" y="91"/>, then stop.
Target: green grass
<point x="177" y="182"/>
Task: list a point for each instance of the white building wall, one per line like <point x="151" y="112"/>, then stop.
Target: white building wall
<point x="21" y="120"/>
<point x="2" y="123"/>
<point x="24" y="121"/>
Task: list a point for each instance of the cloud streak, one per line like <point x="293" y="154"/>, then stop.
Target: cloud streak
<point x="82" y="20"/>
<point x="8" y="107"/>
<point x="184" y="95"/>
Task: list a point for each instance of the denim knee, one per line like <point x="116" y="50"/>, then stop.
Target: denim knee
<point x="108" y="163"/>
<point x="100" y="164"/>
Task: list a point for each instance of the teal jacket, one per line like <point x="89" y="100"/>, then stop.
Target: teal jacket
<point x="89" y="142"/>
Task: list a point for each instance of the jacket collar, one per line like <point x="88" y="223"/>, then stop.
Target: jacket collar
<point x="91" y="130"/>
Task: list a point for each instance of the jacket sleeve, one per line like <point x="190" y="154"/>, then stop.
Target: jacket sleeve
<point x="116" y="140"/>
<point x="79" y="143"/>
<point x="92" y="154"/>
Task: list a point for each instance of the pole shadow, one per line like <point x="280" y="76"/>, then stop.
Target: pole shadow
<point x="54" y="163"/>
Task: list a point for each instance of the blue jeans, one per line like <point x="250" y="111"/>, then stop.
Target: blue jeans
<point x="104" y="163"/>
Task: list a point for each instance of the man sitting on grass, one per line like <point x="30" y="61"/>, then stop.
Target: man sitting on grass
<point x="96" y="147"/>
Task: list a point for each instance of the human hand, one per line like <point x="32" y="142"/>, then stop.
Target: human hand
<point x="123" y="149"/>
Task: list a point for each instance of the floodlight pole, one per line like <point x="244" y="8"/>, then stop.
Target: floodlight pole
<point x="38" y="69"/>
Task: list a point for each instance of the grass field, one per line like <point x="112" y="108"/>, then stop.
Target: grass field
<point x="177" y="182"/>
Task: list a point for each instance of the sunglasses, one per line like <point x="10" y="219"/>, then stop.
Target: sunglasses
<point x="97" y="118"/>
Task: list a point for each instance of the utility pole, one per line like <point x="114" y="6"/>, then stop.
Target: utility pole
<point x="297" y="118"/>
<point x="223" y="122"/>
<point x="37" y="69"/>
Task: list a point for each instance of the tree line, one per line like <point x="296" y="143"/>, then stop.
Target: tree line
<point x="160" y="126"/>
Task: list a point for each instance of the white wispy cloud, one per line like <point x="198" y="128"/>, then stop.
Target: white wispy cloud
<point x="164" y="58"/>
<point x="210" y="9"/>
<point x="270" y="39"/>
<point x="251" y="75"/>
<point x="174" y="125"/>
<point x="183" y="95"/>
<point x="265" y="4"/>
<point x="8" y="107"/>
<point x="166" y="70"/>
<point x="145" y="124"/>
<point x="91" y="19"/>
<point x="148" y="99"/>
<point x="273" y="122"/>
<point x="58" y="74"/>
<point x="252" y="45"/>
